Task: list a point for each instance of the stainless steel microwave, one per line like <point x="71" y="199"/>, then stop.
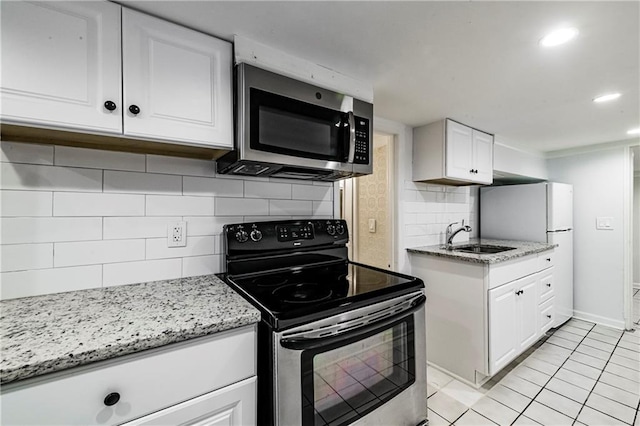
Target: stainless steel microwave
<point x="286" y="128"/>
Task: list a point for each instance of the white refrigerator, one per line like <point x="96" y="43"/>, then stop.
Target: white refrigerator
<point x="540" y="212"/>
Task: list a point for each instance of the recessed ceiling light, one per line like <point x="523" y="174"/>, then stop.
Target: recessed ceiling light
<point x="557" y="37"/>
<point x="634" y="131"/>
<point x="607" y="97"/>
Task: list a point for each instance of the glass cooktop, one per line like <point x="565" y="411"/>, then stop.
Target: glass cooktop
<point x="300" y="292"/>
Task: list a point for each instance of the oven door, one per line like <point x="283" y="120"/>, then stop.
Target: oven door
<point x="365" y="367"/>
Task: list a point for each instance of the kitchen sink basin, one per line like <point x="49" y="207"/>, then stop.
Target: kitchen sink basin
<point x="482" y="249"/>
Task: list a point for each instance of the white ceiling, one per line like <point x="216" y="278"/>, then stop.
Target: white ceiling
<point x="476" y="62"/>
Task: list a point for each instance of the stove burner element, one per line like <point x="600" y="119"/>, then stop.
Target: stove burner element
<point x="270" y="281"/>
<point x="302" y="293"/>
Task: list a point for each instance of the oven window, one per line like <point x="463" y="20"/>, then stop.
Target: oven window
<point x="346" y="382"/>
<point x="287" y="126"/>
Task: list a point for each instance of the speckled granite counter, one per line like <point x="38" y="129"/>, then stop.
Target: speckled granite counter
<point x="54" y="332"/>
<point x="521" y="248"/>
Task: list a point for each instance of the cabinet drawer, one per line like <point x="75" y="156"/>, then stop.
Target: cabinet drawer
<point x="545" y="285"/>
<point x="546" y="260"/>
<point x="146" y="382"/>
<point x="547" y="315"/>
<point x="510" y="270"/>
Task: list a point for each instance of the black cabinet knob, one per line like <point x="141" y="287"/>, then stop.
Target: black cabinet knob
<point x="110" y="105"/>
<point x="548" y="316"/>
<point x="548" y="284"/>
<point x="134" y="109"/>
<point x="111" y="399"/>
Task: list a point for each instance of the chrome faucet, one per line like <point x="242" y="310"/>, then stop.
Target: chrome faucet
<point x="451" y="233"/>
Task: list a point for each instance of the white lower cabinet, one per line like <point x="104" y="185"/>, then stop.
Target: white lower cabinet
<point x="233" y="405"/>
<point x="480" y="317"/>
<point x="210" y="380"/>
<point x="513" y="320"/>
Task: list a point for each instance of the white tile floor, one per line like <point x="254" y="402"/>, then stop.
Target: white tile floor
<point x="580" y="374"/>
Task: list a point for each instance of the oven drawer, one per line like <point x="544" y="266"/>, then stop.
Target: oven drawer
<point x="144" y="382"/>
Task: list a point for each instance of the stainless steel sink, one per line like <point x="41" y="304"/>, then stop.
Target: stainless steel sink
<point x="482" y="249"/>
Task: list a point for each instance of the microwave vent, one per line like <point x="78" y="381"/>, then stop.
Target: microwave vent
<point x="250" y="169"/>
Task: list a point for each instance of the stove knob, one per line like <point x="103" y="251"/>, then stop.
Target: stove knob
<point x="242" y="236"/>
<point x="331" y="229"/>
<point x="256" y="235"/>
<point x="340" y="229"/>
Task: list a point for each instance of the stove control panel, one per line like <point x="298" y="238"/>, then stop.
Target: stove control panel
<point x="295" y="232"/>
<point x="279" y="235"/>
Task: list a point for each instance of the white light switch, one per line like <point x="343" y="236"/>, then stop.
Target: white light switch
<point x="372" y="225"/>
<point x="604" y="222"/>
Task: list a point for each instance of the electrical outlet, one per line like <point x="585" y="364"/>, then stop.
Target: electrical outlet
<point x="177" y="234"/>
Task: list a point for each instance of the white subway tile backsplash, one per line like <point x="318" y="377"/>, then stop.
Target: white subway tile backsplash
<point x="95" y="252"/>
<point x="202" y="265"/>
<point x="141" y="183"/>
<point x="97" y="204"/>
<point x="28" y="230"/>
<point x="26" y="203"/>
<point x="255" y="189"/>
<point x="98" y="159"/>
<point x="322" y="208"/>
<point x="200" y="186"/>
<point x="164" y="205"/>
<point x="209" y="225"/>
<point x="45" y="281"/>
<point x="293" y="207"/>
<point x="16" y="152"/>
<point x="266" y="218"/>
<point x="49" y="178"/>
<point x="196" y="246"/>
<point x="22" y="257"/>
<point x="315" y="193"/>
<point x="118" y="228"/>
<point x="140" y="272"/>
<point x="242" y="206"/>
<point x="180" y="166"/>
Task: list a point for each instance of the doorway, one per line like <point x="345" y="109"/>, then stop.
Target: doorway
<point x="367" y="204"/>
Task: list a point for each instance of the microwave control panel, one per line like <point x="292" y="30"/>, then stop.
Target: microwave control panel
<point x="362" y="141"/>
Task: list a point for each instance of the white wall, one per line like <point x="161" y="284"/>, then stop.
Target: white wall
<point x="76" y="218"/>
<point x="598" y="180"/>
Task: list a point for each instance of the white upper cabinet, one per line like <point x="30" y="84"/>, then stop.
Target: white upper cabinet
<point x="60" y="63"/>
<point x="178" y="79"/>
<point x="451" y="153"/>
<point x="68" y="65"/>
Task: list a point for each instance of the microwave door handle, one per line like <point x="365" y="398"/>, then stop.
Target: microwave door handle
<point x="352" y="137"/>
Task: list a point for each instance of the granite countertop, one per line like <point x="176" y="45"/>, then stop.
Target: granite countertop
<point x="43" y="334"/>
<point x="521" y="248"/>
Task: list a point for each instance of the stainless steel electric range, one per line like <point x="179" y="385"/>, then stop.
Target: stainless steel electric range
<point x="339" y="342"/>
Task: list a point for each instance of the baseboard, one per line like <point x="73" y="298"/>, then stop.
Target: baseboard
<point x="608" y="322"/>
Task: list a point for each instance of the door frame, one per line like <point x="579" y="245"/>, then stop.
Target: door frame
<point x="628" y="254"/>
<point x="349" y="203"/>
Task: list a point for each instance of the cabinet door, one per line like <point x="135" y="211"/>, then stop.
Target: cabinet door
<point x="459" y="151"/>
<point x="503" y="327"/>
<point x="61" y="63"/>
<point x="527" y="312"/>
<point x="233" y="405"/>
<point x="179" y="79"/>
<point x="482" y="157"/>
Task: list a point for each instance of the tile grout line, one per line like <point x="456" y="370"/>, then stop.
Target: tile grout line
<point x="552" y="376"/>
<point x="598" y="380"/>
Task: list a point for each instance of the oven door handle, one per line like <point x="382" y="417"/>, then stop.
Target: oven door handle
<point x="304" y="343"/>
